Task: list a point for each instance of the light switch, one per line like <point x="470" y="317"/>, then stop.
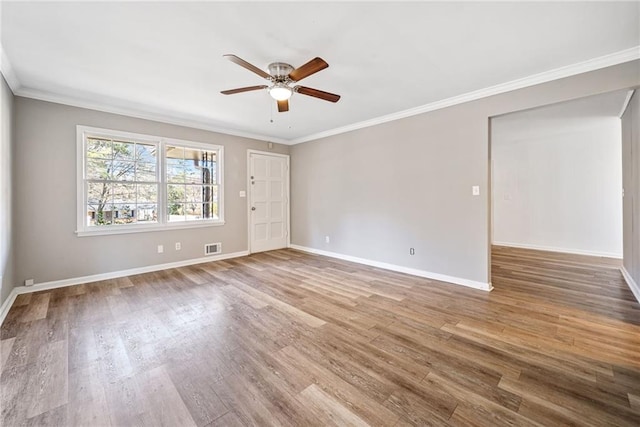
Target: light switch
<point x="243" y="194"/>
<point x="475" y="190"/>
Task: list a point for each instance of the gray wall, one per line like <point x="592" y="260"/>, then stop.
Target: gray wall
<point x="45" y="197"/>
<point x="6" y="182"/>
<point x="379" y="191"/>
<point x="631" y="185"/>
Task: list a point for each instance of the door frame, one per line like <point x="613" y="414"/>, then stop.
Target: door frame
<point x="287" y="192"/>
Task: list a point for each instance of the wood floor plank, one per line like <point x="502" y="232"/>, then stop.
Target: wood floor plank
<point x="289" y="338"/>
<point x="164" y="402"/>
<point x="476" y="407"/>
<point x="326" y="410"/>
<point x="5" y="351"/>
<point x="13" y="388"/>
<point x="37" y="307"/>
<point x="287" y="308"/>
<point x="47" y="385"/>
<point x="87" y="398"/>
<point x="229" y="419"/>
<point x="54" y="417"/>
<point x="353" y="397"/>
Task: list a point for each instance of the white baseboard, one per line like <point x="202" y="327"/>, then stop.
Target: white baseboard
<point x="635" y="289"/>
<point x="393" y="267"/>
<point x="561" y="250"/>
<point x="106" y="276"/>
<point x="6" y="306"/>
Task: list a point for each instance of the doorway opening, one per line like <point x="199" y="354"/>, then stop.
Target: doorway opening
<point x="556" y="193"/>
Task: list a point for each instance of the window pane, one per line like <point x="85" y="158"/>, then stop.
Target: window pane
<point x="207" y="194"/>
<point x="193" y="194"/>
<point x="146" y="213"/>
<point x="212" y="171"/>
<point x="214" y="192"/>
<point x="99" y="148"/>
<point x="192" y="171"/>
<point x="98" y="169"/>
<point x="147" y="193"/>
<point x="207" y="211"/>
<point x="175" y="170"/>
<point x="175" y="193"/>
<point x="176" y="212"/>
<point x="146" y="172"/>
<point x="175" y="163"/>
<point x="99" y="193"/>
<point x="146" y="153"/>
<point x="122" y="214"/>
<point x="174" y="152"/>
<point x="193" y="211"/>
<point x="123" y="150"/>
<point x="123" y="170"/>
<point x="99" y="200"/>
<point x="124" y="193"/>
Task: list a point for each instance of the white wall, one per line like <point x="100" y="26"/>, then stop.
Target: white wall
<point x="559" y="186"/>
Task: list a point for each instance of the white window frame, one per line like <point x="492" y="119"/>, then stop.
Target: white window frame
<point x="82" y="229"/>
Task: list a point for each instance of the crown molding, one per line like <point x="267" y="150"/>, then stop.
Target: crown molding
<point x="7" y="71"/>
<point x="616" y="58"/>
<point x="156" y="116"/>
<point x="626" y="103"/>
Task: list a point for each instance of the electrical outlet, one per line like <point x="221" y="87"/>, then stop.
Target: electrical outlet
<point x="475" y="190"/>
<point x="28" y="282"/>
<point x="160" y="249"/>
<point x="412" y="251"/>
<point x="178" y="246"/>
<point x="326" y="239"/>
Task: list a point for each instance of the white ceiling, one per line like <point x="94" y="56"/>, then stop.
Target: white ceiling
<point x="570" y="116"/>
<point x="164" y="60"/>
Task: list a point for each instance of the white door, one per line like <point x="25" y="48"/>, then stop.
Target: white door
<point x="268" y="201"/>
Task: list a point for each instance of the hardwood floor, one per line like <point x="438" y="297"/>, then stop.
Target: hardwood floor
<point x="287" y="338"/>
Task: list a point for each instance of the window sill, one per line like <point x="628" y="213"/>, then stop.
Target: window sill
<point x="104" y="231"/>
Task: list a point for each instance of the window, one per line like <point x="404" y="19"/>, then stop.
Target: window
<point x="192" y="185"/>
<point x="130" y="183"/>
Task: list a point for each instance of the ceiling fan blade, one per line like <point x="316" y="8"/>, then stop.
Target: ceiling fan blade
<point x="241" y="62"/>
<point x="283" y="106"/>
<point x="311" y="67"/>
<point x="331" y="97"/>
<point x="243" y="89"/>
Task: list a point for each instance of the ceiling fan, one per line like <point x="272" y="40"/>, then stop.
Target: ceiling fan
<point x="281" y="76"/>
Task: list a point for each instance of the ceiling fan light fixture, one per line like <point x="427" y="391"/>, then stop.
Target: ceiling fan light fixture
<point x="280" y="92"/>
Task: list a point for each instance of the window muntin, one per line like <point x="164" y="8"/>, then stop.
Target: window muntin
<point x="131" y="182"/>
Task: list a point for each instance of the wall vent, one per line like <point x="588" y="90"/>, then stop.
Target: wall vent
<point x="213" y="248"/>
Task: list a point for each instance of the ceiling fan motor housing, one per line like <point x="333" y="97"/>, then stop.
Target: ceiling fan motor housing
<point x="280" y="71"/>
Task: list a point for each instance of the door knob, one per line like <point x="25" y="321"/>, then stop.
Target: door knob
<point x="253" y="208"/>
